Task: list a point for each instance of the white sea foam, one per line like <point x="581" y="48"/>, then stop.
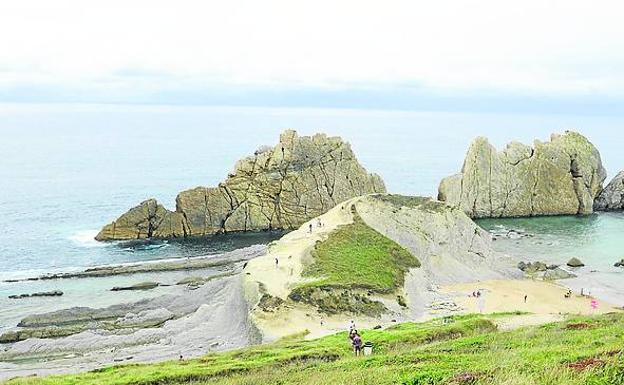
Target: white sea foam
<point x="86" y="238"/>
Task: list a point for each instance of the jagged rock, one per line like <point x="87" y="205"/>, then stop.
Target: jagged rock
<point x="619" y="263"/>
<point x="575" y="262"/>
<point x="276" y="188"/>
<point x="532" y="267"/>
<point x="612" y="197"/>
<point x="53" y="293"/>
<point x="562" y="176"/>
<point x="138" y="286"/>
<point x="558" y="273"/>
<point x="45" y="332"/>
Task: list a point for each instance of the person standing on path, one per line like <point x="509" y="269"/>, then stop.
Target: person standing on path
<point x="357" y="344"/>
<point x="310" y="228"/>
<point x="276" y="263"/>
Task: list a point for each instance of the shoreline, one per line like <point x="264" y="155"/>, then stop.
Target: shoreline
<point x="151" y="266"/>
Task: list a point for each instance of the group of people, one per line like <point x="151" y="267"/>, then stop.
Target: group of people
<point x="355" y="338"/>
<point x="319" y="224"/>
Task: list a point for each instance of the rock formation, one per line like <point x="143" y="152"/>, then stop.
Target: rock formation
<point x="562" y="176"/>
<point x="449" y="247"/>
<point x="575" y="262"/>
<point x="276" y="188"/>
<point x="612" y="197"/>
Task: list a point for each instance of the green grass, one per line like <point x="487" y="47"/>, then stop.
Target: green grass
<point x="468" y="350"/>
<point x="354" y="262"/>
<point x="356" y="256"/>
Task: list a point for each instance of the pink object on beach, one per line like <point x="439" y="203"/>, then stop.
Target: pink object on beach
<point x="594" y="304"/>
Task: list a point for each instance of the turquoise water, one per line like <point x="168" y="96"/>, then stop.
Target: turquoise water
<point x="598" y="239"/>
<point x="66" y="170"/>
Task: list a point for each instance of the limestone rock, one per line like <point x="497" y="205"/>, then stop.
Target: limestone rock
<point x="558" y="273"/>
<point x="53" y="293"/>
<point x="575" y="262"/>
<point x="612" y="197"/>
<point x="450" y="246"/>
<point x="562" y="176"/>
<point x="532" y="267"/>
<point x="144" y="319"/>
<point x="276" y="188"/>
<point x="138" y="286"/>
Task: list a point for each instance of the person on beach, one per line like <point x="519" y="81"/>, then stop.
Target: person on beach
<point x="357" y="344"/>
<point x="310" y="228"/>
<point x="525" y="298"/>
<point x="276" y="262"/>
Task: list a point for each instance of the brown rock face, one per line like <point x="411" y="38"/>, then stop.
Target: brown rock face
<point x="276" y="188"/>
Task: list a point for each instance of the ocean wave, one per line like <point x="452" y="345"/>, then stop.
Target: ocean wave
<point x="86" y="238"/>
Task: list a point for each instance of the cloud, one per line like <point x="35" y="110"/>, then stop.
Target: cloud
<point x="529" y="48"/>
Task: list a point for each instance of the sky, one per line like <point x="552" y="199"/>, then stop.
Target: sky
<point x="534" y="55"/>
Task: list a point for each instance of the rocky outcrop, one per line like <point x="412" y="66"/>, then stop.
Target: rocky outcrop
<point x="53" y="293"/>
<point x="276" y="188"/>
<point x="138" y="286"/>
<point x="448" y="246"/>
<point x="562" y="176"/>
<point x="187" y="264"/>
<point x="575" y="262"/>
<point x="612" y="197"/>
<point x="556" y="274"/>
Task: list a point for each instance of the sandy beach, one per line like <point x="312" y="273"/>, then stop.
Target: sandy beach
<point x="542" y="298"/>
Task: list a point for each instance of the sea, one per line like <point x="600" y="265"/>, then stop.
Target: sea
<point x="68" y="169"/>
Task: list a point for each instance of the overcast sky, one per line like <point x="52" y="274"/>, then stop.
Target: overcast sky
<point x="151" y="50"/>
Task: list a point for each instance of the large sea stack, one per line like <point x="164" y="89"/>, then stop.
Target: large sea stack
<point x="559" y="177"/>
<point x="277" y="188"/>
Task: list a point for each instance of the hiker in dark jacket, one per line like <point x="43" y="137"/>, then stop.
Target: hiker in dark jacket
<point x="357" y="344"/>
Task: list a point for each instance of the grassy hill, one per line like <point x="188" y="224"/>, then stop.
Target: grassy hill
<point x="466" y="350"/>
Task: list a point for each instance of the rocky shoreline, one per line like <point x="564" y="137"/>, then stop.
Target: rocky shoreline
<point x="314" y="185"/>
<point x="195" y="263"/>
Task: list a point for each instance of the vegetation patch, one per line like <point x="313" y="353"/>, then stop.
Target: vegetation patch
<point x="354" y="262"/>
<point x="268" y="303"/>
<point x="586" y="364"/>
<point x="432" y="353"/>
<point x="330" y="300"/>
<point x="355" y="256"/>
<point x="578" y="326"/>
